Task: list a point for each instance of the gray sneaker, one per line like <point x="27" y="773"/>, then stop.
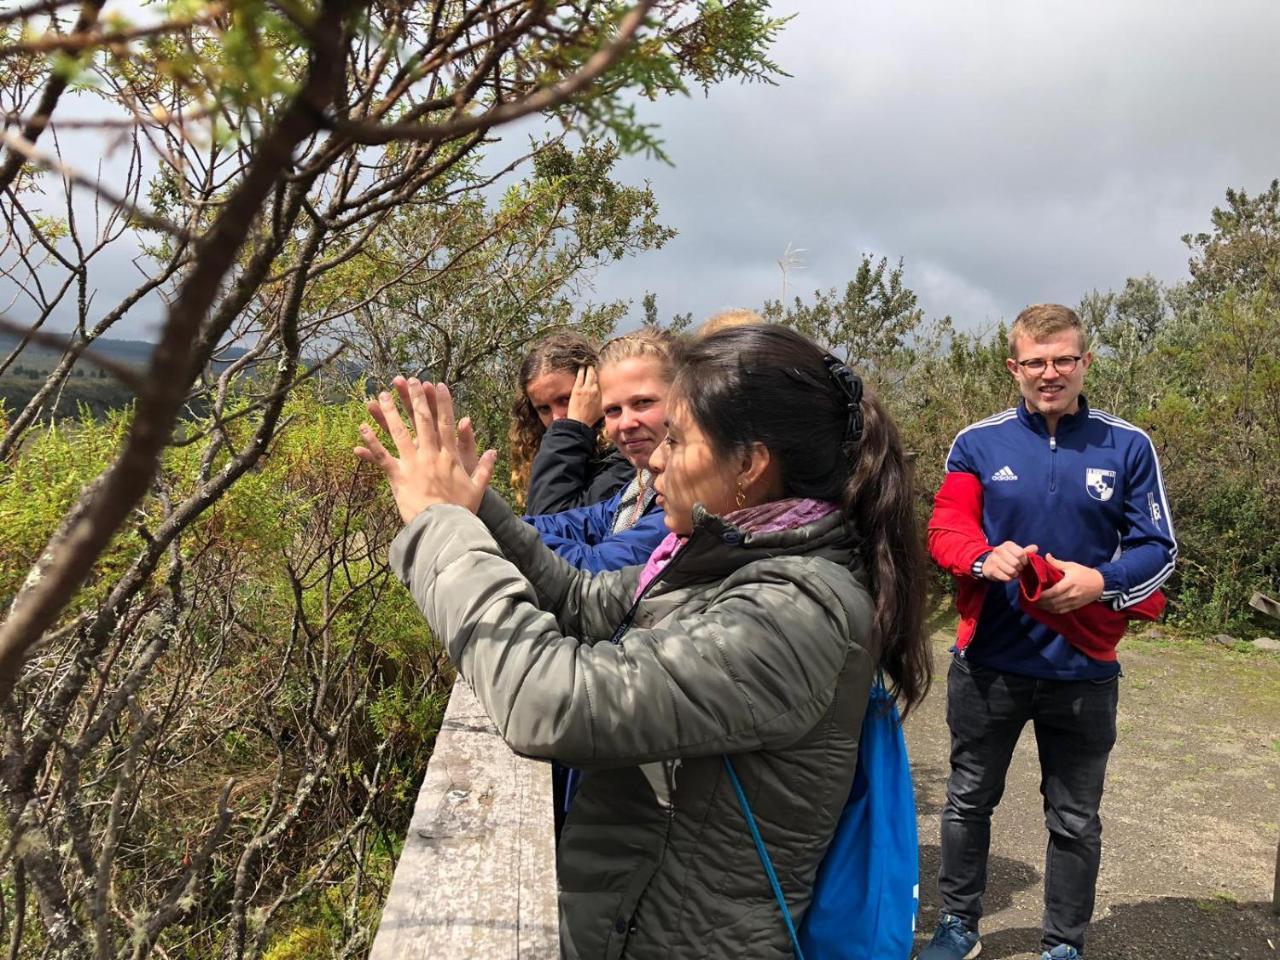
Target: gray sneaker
<point x="1062" y="951"/>
<point x="952" y="941"/>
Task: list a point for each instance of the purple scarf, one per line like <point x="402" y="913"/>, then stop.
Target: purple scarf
<point x="762" y="518"/>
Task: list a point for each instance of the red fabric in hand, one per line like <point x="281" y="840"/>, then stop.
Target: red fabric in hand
<point x="956" y="540"/>
<point x="1094" y="629"/>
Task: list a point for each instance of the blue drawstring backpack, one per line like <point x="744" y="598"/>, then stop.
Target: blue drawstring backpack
<point x="868" y="885"/>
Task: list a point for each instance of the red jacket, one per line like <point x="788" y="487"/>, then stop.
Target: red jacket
<point x="956" y="541"/>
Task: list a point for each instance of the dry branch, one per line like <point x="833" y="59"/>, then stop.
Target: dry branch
<point x="55" y="86"/>
<point x="26" y="149"/>
<point x="86" y="40"/>
<point x="547" y="98"/>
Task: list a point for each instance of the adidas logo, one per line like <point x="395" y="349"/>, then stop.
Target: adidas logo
<point x="1004" y="473"/>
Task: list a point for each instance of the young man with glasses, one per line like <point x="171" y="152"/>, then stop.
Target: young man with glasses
<point x="1051" y="491"/>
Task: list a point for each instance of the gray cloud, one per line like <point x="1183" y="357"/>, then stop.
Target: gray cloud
<point x="1009" y="152"/>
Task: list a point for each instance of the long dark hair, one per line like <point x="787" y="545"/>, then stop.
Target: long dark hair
<point x="770" y="385"/>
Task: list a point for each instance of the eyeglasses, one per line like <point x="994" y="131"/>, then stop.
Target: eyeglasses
<point x="1037" y="365"/>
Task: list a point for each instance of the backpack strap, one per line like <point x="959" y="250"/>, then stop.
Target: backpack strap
<point x="764" y="858"/>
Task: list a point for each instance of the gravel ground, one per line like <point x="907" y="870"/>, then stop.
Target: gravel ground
<point x="1191" y="813"/>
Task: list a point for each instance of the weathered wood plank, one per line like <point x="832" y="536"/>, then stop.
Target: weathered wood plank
<point x="476" y="878"/>
<point x="1264" y="604"/>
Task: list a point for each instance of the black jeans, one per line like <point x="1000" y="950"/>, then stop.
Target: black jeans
<point x="1075" y="726"/>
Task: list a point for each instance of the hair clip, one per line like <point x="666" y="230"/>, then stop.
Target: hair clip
<point x="851" y="386"/>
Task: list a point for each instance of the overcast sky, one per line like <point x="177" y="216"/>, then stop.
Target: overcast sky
<point x="1010" y="152"/>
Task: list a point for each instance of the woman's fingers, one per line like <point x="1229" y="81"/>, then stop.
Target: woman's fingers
<point x="590" y="379"/>
<point x="373" y="451"/>
<point x="467" y="446"/>
<point x="433" y="412"/>
<point x="483" y="472"/>
<point x="406" y="397"/>
<point x="444" y="418"/>
<point x="374" y="410"/>
<point x="418" y="481"/>
<point x="423" y="413"/>
<point x="395" y="426"/>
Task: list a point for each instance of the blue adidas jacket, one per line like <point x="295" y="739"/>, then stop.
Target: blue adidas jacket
<point x="584" y="536"/>
<point x="1092" y="494"/>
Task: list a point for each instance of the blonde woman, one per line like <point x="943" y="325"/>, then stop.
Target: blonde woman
<point x="635" y="373"/>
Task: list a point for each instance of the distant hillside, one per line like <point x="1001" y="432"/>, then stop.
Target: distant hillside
<point x="133" y="352"/>
<point x="90" y="387"/>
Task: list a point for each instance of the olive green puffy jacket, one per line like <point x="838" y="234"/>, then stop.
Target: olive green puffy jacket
<point x="758" y="646"/>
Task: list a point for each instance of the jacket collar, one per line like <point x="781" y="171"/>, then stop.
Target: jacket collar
<point x="1069" y="422"/>
<point x="718" y="547"/>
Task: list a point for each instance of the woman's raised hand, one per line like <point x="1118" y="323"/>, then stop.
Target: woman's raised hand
<point x="436" y="462"/>
<point x="585" y="404"/>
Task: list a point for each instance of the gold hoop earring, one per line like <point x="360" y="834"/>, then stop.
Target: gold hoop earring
<point x="740" y="498"/>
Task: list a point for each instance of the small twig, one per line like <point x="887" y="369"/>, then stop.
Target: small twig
<point x="83" y="41"/>
<point x="545" y="99"/>
<point x="35" y="9"/>
<point x="19" y="910"/>
<point x="20" y="145"/>
<point x="220" y="422"/>
<point x="147" y="929"/>
<point x="157" y="114"/>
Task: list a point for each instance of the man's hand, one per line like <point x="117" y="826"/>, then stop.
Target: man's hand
<point x="1007" y="561"/>
<point x="585" y="404"/>
<point x="1079" y="587"/>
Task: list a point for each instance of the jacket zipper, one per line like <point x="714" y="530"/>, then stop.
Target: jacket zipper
<point x="630" y="617"/>
<point x="1053" y="464"/>
<point x="668" y="772"/>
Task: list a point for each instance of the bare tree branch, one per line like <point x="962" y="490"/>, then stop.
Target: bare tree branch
<point x="54" y="88"/>
<point x="88" y="39"/>
<point x="49" y="7"/>
<point x="23" y="148"/>
<point x="545" y="99"/>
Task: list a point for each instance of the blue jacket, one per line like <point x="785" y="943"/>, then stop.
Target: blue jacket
<point x="1092" y="494"/>
<point x="584" y="536"/>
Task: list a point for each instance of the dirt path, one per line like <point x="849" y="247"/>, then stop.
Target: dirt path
<point x="1190" y="816"/>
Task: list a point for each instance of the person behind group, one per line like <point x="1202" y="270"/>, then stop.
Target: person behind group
<point x="556" y="460"/>
<point x="1062" y="491"/>
<point x="791" y="574"/>
<point x="634" y="373"/>
<point x="726" y="319"/>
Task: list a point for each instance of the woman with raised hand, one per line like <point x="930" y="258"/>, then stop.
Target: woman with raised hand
<point x="556" y="458"/>
<point x="791" y="573"/>
<point x="635" y="372"/>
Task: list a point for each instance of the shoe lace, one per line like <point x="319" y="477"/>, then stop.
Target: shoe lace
<point x="951" y="932"/>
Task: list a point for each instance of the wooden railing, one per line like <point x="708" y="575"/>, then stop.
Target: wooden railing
<point x="477" y="876"/>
